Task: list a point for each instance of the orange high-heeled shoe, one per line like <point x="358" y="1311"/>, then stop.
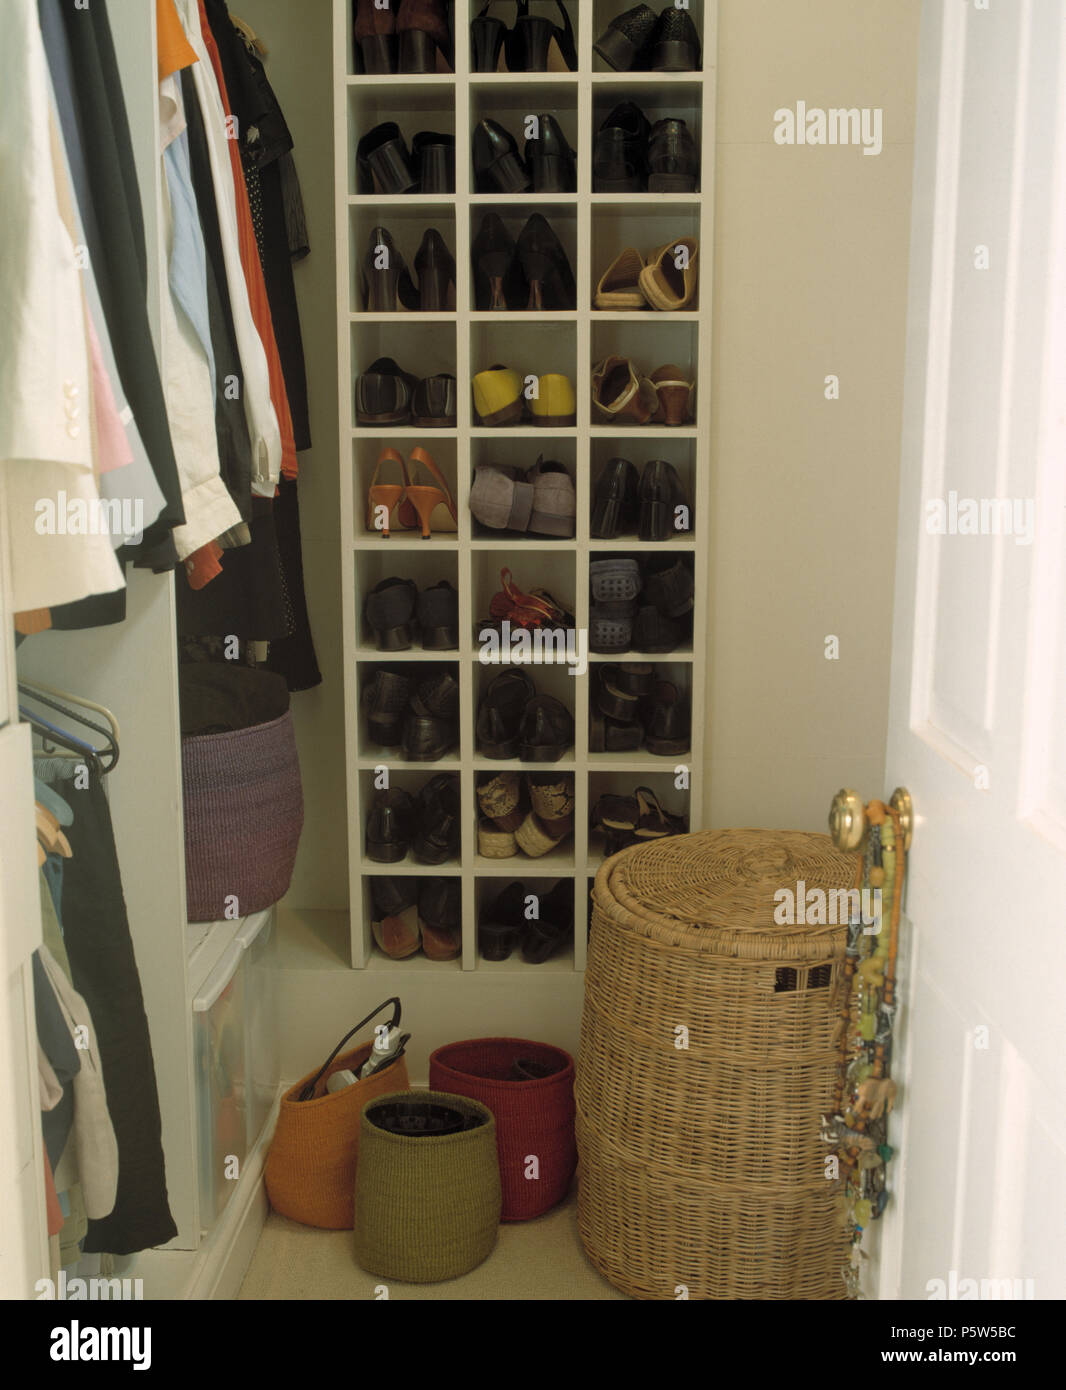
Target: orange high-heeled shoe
<point x="435" y="506"/>
<point x="390" y="498"/>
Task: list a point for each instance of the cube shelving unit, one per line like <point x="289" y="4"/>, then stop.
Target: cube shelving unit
<point x="593" y="227"/>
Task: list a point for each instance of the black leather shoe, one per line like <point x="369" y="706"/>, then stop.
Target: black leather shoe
<point x="388" y="827"/>
<point x="620" y="154"/>
<point x="383" y="163"/>
<point x="386" y="287"/>
<point x="547" y="730"/>
<point x="661" y="494"/>
<point x="437" y="612"/>
<point x="433" y="161"/>
<point x="673" y="164"/>
<point x="612" y="698"/>
<point x="552" y="163"/>
<point x="499" y="716"/>
<point x="668" y="584"/>
<point x="498" y="167"/>
<point x="435" y="403"/>
<point x="530" y="41"/>
<point x="437" y="819"/>
<point x="667" y="723"/>
<point x="502" y="922"/>
<point x="615" y="502"/>
<point x="545" y="267"/>
<point x="554" y="926"/>
<point x="383" y="394"/>
<point x="437" y="696"/>
<point x="655" y="633"/>
<point x="613" y="735"/>
<point x="386" y="699"/>
<point x="623" y="42"/>
<point x="498" y="282"/>
<point x="427" y="740"/>
<point x="675" y="44"/>
<point x="390" y="611"/>
<point x="435" y="268"/>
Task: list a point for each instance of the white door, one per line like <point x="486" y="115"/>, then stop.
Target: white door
<point x="978" y="708"/>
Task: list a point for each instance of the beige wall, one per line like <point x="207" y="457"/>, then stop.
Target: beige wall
<point x="810" y="279"/>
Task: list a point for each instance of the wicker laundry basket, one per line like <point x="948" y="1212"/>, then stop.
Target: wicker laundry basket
<point x="244" y="812"/>
<point x="534" y="1118"/>
<point x="427" y="1207"/>
<point x="709" y="1052"/>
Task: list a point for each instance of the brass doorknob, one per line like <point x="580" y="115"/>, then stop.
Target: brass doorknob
<point x="847" y="819"/>
<point x="902" y="804"/>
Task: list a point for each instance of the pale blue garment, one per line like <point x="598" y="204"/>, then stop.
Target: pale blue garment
<point x="52" y="801"/>
<point x="188" y="258"/>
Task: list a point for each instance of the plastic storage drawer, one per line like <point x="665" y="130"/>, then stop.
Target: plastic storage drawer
<point x="262" y="1064"/>
<point x="219" y="1044"/>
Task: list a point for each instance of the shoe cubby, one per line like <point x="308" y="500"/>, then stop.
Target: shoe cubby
<point x="679" y="453"/>
<point x="547" y="679"/>
<point x="531" y="531"/>
<point x="534" y="272"/>
<point x="627" y="50"/>
<point x="370" y="952"/>
<point x="506" y="328"/>
<point x="412" y="447"/>
<point x="541" y="351"/>
<point x="543" y="152"/>
<point x="378" y="267"/>
<point x="661" y="341"/>
<point x="530" y="847"/>
<point x="414" y="106"/>
<point x="496" y="936"/>
<point x="553" y="572"/>
<point x="499" y="51"/>
<point x="620" y="226"/>
<point x="425" y="569"/>
<point x="396" y="784"/>
<point x="403" y="671"/>
<point x="645" y="608"/>
<point x="616" y="713"/>
<point x="672" y="790"/>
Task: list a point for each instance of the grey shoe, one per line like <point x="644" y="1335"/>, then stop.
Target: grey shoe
<point x="614" y="581"/>
<point x="501" y="500"/>
<point x="554" y="499"/>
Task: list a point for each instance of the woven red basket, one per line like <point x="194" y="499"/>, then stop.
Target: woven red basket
<point x="534" y="1119"/>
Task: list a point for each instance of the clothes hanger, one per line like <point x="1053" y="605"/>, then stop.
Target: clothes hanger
<point x="49" y="834"/>
<point x="110" y="751"/>
<point x="49" y="733"/>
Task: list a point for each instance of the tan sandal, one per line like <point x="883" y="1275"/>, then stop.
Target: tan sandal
<point x="552" y="799"/>
<point x="493" y="843"/>
<point x="535" y="840"/>
<point x="499" y="797"/>
<point x="663" y="284"/>
<point x="676" y="396"/>
<point x="619" y="286"/>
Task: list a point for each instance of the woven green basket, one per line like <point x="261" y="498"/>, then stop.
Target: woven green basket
<point x="427" y="1208"/>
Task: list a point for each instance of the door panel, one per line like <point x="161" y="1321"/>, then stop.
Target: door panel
<point x="978" y="705"/>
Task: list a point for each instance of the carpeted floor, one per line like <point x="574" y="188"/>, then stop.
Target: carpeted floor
<point x="540" y="1259"/>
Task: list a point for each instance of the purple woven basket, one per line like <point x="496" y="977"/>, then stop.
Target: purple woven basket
<point x="244" y="811"/>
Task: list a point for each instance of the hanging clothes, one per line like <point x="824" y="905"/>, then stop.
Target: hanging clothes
<point x="255" y="383"/>
<point x="263" y="138"/>
<point x="104" y="972"/>
<point x="45" y="359"/>
<point x="95" y="129"/>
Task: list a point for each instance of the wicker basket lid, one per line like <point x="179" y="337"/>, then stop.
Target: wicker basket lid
<point x="718" y="891"/>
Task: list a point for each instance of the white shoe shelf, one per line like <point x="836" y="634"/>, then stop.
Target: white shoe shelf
<point x="593" y="228"/>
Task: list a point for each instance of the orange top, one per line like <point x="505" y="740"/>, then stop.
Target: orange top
<point x="253" y="270"/>
<point x="173" y="49"/>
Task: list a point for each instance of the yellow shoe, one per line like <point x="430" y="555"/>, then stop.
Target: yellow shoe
<point x="555" y="403"/>
<point x="498" y="396"/>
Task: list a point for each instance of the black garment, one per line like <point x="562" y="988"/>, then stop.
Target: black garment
<point x="58" y="1046"/>
<point x="246" y="599"/>
<point x="264" y="138"/>
<point x="219" y="697"/>
<point x="95" y="129"/>
<point x="292" y="198"/>
<point x="103" y="968"/>
<point x="98" y="610"/>
<point x="231" y="424"/>
<point x="293" y="656"/>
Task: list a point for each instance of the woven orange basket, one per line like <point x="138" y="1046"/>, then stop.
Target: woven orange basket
<point x="709" y="1053"/>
